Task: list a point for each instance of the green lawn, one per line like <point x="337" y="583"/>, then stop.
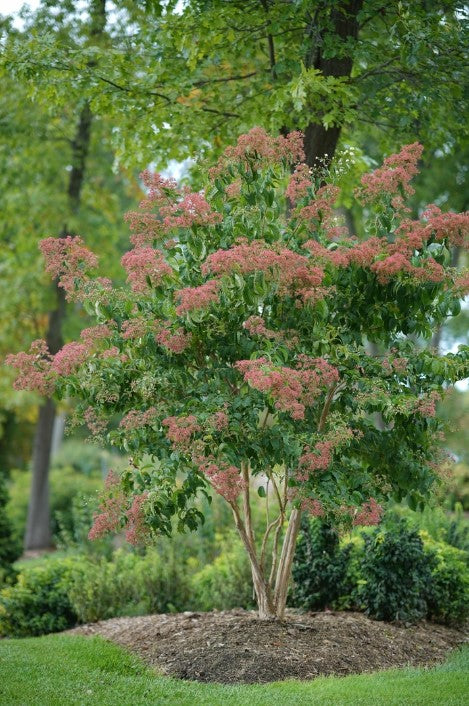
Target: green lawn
<point x="58" y="670"/>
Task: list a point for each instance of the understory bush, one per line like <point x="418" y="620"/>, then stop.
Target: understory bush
<point x="39" y="602"/>
<point x="225" y="583"/>
<point x="320" y="566"/>
<point x="394" y="572"/>
<point x="10" y="547"/>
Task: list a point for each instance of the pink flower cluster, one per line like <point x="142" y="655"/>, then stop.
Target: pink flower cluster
<point x="133" y="328"/>
<point x="257" y="148"/>
<point x="319" y="212"/>
<point x="292" y="389"/>
<point x="319" y="458"/>
<point x="193" y="298"/>
<point x="426" y="406"/>
<point x="224" y="477"/>
<point x="453" y="227"/>
<point x="136" y="419"/>
<point x="181" y="429"/>
<point x="397" y="263"/>
<point x="69" y="358"/>
<point x="369" y="514"/>
<point x="67" y="259"/>
<point x="137" y="532"/>
<point x="219" y="420"/>
<point x="95" y="333"/>
<point x="288" y="267"/>
<point x="95" y="424"/>
<point x="176" y="340"/>
<point x="33" y="368"/>
<point x="399" y="365"/>
<point x="255" y="325"/>
<point x="193" y="210"/>
<point x="300" y="182"/>
<point x="393" y="176"/>
<point x="142" y="264"/>
<point x="147" y="226"/>
<point x="313" y="506"/>
<point x="112" y="506"/>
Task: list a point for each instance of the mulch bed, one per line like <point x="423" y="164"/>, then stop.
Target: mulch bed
<point x="236" y="647"/>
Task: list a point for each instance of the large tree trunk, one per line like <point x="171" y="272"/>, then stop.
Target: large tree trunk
<point x="38" y="532"/>
<point x="321" y="142"/>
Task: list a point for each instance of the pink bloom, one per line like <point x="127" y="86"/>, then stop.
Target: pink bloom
<point x="69" y="358"/>
<point x="369" y="514"/>
<point x="67" y="259"/>
<point x="193" y="210"/>
<point x="393" y="176"/>
<point x="133" y="328"/>
<point x="95" y="424"/>
<point x="426" y="406"/>
<point x="137" y="531"/>
<point x="95" y="333"/>
<point x="257" y="148"/>
<point x="145" y="265"/>
<point x="136" y="419"/>
<point x="181" y="429"/>
<point x="193" y="298"/>
<point x="312" y="506"/>
<point x="300" y="182"/>
<point x="112" y="506"/>
<point x="176" y="340"/>
<point x="34" y="369"/>
<point x="224" y="478"/>
<point x="219" y="420"/>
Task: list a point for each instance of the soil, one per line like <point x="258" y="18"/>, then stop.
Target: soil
<point x="236" y="647"/>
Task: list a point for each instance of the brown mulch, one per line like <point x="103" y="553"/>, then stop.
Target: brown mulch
<point x="236" y="647"/>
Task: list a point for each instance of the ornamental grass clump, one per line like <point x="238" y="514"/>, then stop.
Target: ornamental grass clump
<point x="238" y="350"/>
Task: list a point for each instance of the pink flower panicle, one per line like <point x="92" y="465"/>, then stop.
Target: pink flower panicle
<point x="193" y="210"/>
<point x="257" y="148"/>
<point x="95" y="424"/>
<point x="34" y="369"/>
<point x="68" y="260"/>
<point x="224" y="477"/>
<point x="137" y="532"/>
<point x="426" y="406"/>
<point x="69" y="358"/>
<point x="369" y="514"/>
<point x="143" y="264"/>
<point x="313" y="506"/>
<point x="300" y="182"/>
<point x="194" y="298"/>
<point x="175" y="340"/>
<point x="292" y="389"/>
<point x="394" y="176"/>
<point x="136" y="419"/>
<point x="91" y="335"/>
<point x="219" y="420"/>
<point x="133" y="328"/>
<point x="319" y="212"/>
<point x="453" y="227"/>
<point x="181" y="429"/>
<point x="111" y="508"/>
<point x="293" y="272"/>
<point x="145" y="225"/>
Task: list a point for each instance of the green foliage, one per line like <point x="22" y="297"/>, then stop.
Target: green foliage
<point x="226" y="582"/>
<point x="320" y="566"/>
<point x="448" y="595"/>
<point x="10" y="547"/>
<point x="396" y="575"/>
<point x="38" y="603"/>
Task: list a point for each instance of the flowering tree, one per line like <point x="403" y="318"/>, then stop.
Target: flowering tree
<point x="238" y="350"/>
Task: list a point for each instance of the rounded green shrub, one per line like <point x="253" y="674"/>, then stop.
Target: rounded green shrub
<point x="39" y="602"/>
<point x="320" y="566"/>
<point x="396" y="574"/>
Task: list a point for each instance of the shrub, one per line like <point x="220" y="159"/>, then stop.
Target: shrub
<point x="448" y="595"/>
<point x="10" y="547"/>
<point x="396" y="575"/>
<point x="39" y="602"/>
<point x="320" y="566"/>
<point x="226" y="583"/>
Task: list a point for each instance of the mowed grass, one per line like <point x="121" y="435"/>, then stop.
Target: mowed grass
<point x="58" y="670"/>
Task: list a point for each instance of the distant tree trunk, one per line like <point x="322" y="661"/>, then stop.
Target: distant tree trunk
<point x="321" y="142"/>
<point x="38" y="527"/>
